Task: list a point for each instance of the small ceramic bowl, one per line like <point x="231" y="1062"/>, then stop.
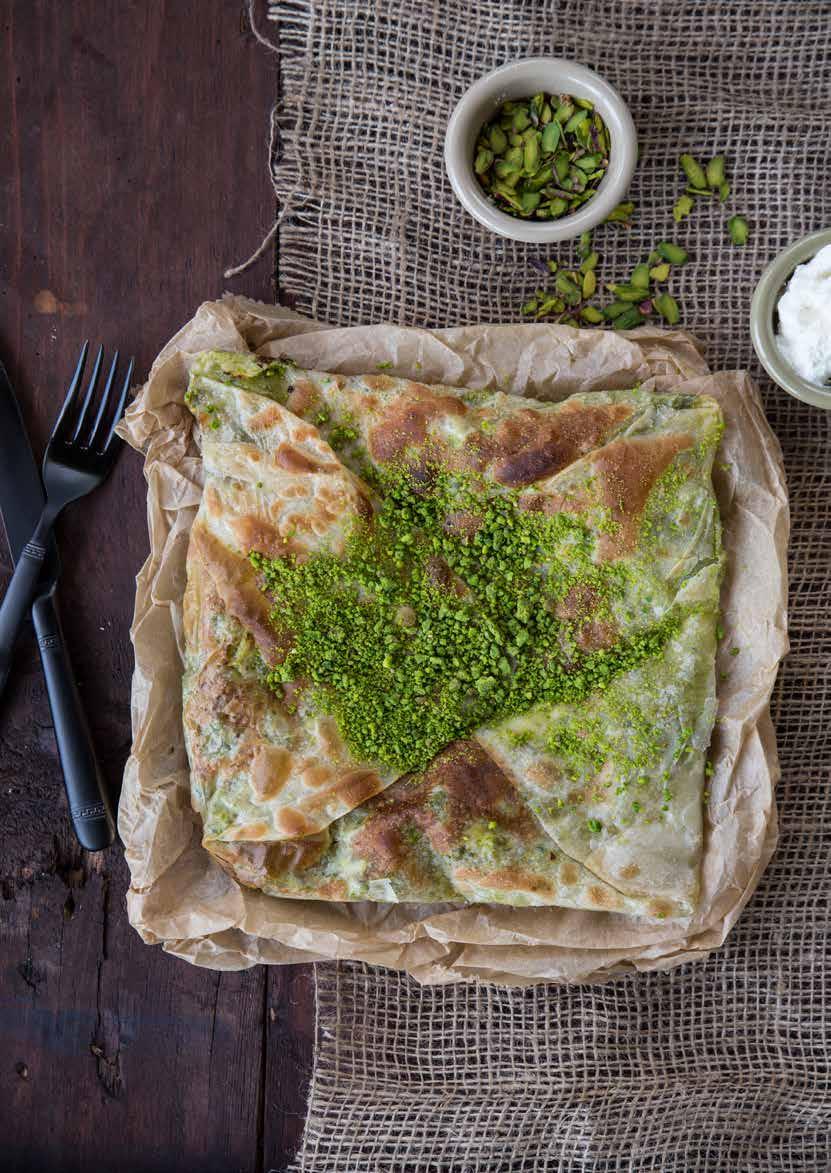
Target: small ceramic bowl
<point x="521" y="79"/>
<point x="764" y="322"/>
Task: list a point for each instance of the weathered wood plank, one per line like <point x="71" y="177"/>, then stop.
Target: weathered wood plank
<point x="133" y="173"/>
<point x="114" y="1050"/>
<point x="288" y="1060"/>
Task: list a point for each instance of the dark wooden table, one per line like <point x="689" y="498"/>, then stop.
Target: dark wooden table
<point x="133" y="172"/>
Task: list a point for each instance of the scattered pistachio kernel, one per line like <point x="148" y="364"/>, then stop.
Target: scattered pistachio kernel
<point x="667" y="307"/>
<point x="592" y="315"/>
<point x="674" y="253"/>
<point x="628" y="320"/>
<point x="715" y="172"/>
<point x="632" y="293"/>
<point x="739" y="232"/>
<point x="693" y="171"/>
<point x="683" y="207"/>
<point x="621" y="214"/>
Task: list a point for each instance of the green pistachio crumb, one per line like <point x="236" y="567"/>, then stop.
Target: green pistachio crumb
<point x="404" y="662"/>
<point x="683" y="207"/>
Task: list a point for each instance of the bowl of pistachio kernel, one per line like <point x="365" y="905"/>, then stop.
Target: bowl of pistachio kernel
<point x="541" y="149"/>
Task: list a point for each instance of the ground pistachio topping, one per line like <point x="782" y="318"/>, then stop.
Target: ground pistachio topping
<point x="441" y="615"/>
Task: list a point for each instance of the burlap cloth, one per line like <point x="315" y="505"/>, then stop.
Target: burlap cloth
<point x="718" y="1066"/>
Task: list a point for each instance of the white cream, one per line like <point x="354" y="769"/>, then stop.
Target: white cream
<point x="804" y="308"/>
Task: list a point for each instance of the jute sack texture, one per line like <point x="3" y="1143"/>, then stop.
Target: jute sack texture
<point x="719" y="1066"/>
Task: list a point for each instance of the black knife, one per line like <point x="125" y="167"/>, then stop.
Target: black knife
<point x="21" y="502"/>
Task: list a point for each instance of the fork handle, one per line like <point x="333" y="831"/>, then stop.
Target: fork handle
<point x="86" y="790"/>
<point x="18" y="599"/>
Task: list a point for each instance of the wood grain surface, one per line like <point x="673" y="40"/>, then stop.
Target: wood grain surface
<point x="133" y="172"/>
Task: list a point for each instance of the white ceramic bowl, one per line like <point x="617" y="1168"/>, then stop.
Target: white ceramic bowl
<point x="763" y="321"/>
<point x="521" y="79"/>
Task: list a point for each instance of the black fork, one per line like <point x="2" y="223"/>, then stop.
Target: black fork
<point x="81" y="451"/>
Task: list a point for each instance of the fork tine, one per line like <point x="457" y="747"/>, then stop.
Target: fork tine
<point x="93" y="380"/>
<point x="105" y="399"/>
<point x="119" y="409"/>
<point x="72" y="392"/>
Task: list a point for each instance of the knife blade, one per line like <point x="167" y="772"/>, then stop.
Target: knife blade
<point x="21" y="502"/>
<point x="21" y="489"/>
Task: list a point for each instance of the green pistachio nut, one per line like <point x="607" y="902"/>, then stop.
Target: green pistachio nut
<point x="693" y="171"/>
<point x="667" y="307"/>
<point x="715" y="172"/>
<point x="672" y="253"/>
<point x="738" y="229"/>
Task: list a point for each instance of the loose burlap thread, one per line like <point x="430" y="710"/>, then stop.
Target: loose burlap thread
<point x="719" y="1066"/>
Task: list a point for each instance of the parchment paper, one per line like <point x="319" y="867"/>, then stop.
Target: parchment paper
<point x="180" y="897"/>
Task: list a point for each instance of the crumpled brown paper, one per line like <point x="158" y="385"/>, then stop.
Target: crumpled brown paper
<point x="179" y="895"/>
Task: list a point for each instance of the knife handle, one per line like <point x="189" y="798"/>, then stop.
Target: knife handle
<point x="17" y="600"/>
<point x="86" y="790"/>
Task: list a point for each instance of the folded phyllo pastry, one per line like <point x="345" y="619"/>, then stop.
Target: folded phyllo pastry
<point x="451" y="645"/>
